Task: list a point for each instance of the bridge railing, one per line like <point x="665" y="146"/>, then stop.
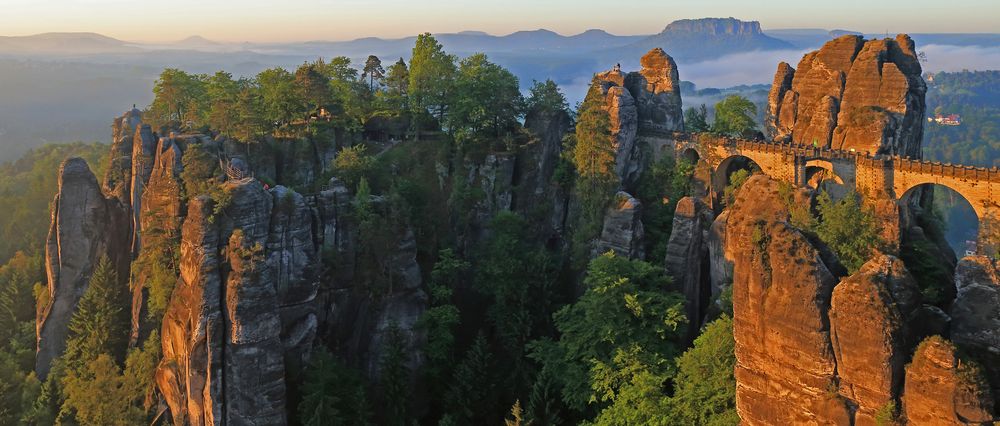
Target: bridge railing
<point x="901" y="163"/>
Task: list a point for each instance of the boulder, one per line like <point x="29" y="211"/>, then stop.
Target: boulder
<point x="622" y="231"/>
<point x="870" y="315"/>
<point x="785" y="365"/>
<point x="944" y="389"/>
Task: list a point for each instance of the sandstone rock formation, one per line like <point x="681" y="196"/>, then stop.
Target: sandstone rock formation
<point x="785" y="365"/>
<point x="647" y="101"/>
<point x="622" y="231"/>
<point x="82" y="232"/>
<point x="190" y="374"/>
<point x="975" y="313"/>
<point x="870" y="315"/>
<point x="944" y="389"/>
<point x="851" y="94"/>
<point x="621" y="108"/>
<point x="720" y="268"/>
<point x="657" y="92"/>
<point x="687" y="253"/>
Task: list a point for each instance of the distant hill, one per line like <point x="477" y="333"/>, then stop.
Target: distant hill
<point x="63" y="43"/>
<point x="698" y="39"/>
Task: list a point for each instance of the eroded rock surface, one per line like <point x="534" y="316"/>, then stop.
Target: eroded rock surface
<point x="944" y="389"/>
<point x="869" y="318"/>
<point x="851" y="94"/>
<point x="686" y="253"/>
<point x="80" y="234"/>
<point x="623" y="231"/>
<point x="785" y="365"/>
<point x="657" y="92"/>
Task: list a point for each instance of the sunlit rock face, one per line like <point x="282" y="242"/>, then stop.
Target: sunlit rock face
<point x="851" y="94"/>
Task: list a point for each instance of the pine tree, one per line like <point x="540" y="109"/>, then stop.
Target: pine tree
<point x="395" y="377"/>
<point x="544" y="403"/>
<point x="373" y="71"/>
<point x="99" y="324"/>
<point x="471" y="394"/>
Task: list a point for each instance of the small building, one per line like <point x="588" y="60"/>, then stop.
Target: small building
<point x="946" y="120"/>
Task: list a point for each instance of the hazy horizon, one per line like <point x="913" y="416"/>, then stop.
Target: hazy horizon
<point x="334" y="20"/>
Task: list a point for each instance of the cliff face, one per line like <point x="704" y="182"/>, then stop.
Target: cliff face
<point x="870" y="315"/>
<point x="785" y="364"/>
<point x="84" y="229"/>
<point x="851" y="94"/>
<point x="814" y="349"/>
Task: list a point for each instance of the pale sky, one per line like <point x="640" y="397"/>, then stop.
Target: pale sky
<point x="299" y="20"/>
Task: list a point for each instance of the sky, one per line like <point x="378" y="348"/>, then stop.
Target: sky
<point x="301" y="20"/>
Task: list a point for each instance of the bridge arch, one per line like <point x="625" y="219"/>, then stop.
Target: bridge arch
<point x="963" y="229"/>
<point x="722" y="174"/>
<point x="821" y="174"/>
<point x="689" y="154"/>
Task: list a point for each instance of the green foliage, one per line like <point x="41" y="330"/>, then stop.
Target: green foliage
<point x="395" y="379"/>
<point x="487" y="100"/>
<point x="432" y="75"/>
<point x="592" y="149"/>
<point x="975" y="96"/>
<point x="924" y="262"/>
<point x="331" y="393"/>
<point x="397" y="81"/>
<point x="848" y="228"/>
<point x="518" y="277"/>
<point x="545" y="403"/>
<point x="696" y="119"/>
<point x="887" y="415"/>
<point x="312" y="86"/>
<point x="660" y="187"/>
<point x="179" y="97"/>
<point x="280" y="100"/>
<point x="471" y="398"/>
<point x="223" y="95"/>
<point x="18" y="385"/>
<point x="201" y="176"/>
<point x="736" y="180"/>
<point x="352" y="164"/>
<point x="99" y="324"/>
<point x="441" y="318"/>
<point x="705" y="390"/>
<point x="544" y="96"/>
<point x="373" y="71"/>
<point x="617" y="340"/>
<point x="734" y="116"/>
<point x="100" y="394"/>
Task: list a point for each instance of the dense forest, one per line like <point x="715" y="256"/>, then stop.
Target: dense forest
<point x="975" y="97"/>
<point x="520" y="328"/>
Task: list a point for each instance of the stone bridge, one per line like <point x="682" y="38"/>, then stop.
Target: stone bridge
<point x="878" y="177"/>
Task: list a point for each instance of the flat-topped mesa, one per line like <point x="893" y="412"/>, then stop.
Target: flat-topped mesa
<point x="851" y="94"/>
